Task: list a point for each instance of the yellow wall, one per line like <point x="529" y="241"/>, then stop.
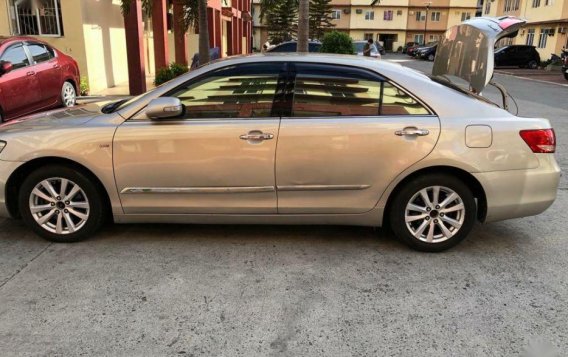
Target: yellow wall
<point x="455" y="15"/>
<point x="4" y="19"/>
<point x="543" y="13"/>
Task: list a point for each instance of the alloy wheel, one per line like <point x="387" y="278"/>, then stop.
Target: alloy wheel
<point x="435" y="214"/>
<point x="59" y="205"/>
<point x="69" y="95"/>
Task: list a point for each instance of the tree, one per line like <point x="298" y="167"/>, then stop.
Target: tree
<point x="320" y="18"/>
<point x="281" y="20"/>
<point x="303" y="25"/>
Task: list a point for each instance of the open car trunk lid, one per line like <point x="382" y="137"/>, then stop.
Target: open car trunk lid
<point x="467" y="50"/>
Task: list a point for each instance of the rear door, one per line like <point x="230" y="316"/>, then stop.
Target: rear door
<point x="48" y="72"/>
<point x="19" y="88"/>
<point x="341" y="143"/>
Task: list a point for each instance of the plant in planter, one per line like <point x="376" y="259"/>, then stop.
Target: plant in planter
<point x="337" y="42"/>
<point x="166" y="74"/>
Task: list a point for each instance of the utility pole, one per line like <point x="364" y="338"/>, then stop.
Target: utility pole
<point x="428" y="4"/>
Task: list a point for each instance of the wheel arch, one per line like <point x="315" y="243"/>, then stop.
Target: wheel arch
<point x="464" y="176"/>
<point x="14" y="182"/>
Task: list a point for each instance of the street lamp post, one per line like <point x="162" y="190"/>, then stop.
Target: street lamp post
<point x="428" y="4"/>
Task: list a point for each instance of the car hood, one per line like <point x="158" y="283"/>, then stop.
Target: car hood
<point x="467" y="50"/>
<point x="77" y="115"/>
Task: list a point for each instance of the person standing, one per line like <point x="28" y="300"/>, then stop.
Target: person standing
<point x="368" y="48"/>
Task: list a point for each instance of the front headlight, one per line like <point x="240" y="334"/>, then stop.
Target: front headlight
<point x="2" y="145"/>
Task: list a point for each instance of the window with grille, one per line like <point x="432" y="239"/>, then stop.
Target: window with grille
<point x="543" y="38"/>
<point x="38" y="17"/>
<point x="487" y="6"/>
<point x="466" y="16"/>
<point x="369" y="15"/>
<point x="420" y="16"/>
<point x="336" y="14"/>
<point x="419" y="38"/>
<point x="530" y="37"/>
<point x="368" y="36"/>
<point x="435" y="16"/>
<point x="388" y="15"/>
<point x="536" y="3"/>
<point x="548" y="2"/>
<point x="511" y="5"/>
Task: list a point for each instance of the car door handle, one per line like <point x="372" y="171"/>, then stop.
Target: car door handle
<point x="256" y="136"/>
<point x="412" y="131"/>
<point x="30" y="73"/>
<point x="56" y="66"/>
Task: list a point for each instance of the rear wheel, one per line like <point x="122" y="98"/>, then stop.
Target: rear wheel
<point x="68" y="94"/>
<point x="433" y="213"/>
<point x="61" y="204"/>
<point x="430" y="58"/>
<point x="532" y="64"/>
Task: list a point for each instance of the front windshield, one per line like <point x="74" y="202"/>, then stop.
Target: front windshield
<point x="359" y="46"/>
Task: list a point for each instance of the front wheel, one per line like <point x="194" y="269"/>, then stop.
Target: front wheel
<point x="433" y="213"/>
<point x="68" y="95"/>
<point x="430" y="58"/>
<point x="61" y="204"/>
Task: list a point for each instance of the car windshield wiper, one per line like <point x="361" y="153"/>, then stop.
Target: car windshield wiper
<point x="111" y="107"/>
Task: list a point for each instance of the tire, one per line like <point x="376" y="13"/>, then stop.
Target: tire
<point x="431" y="58"/>
<point x="532" y="64"/>
<point x="68" y="94"/>
<point x="433" y="239"/>
<point x="84" y="206"/>
<point x="566" y="76"/>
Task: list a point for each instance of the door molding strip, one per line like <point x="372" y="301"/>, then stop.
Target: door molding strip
<point x="322" y="187"/>
<point x="249" y="189"/>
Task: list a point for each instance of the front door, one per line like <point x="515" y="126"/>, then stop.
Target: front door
<point x="217" y="158"/>
<point x="349" y="134"/>
<point x="19" y="88"/>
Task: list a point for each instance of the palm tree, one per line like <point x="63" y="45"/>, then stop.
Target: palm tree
<point x="303" y="25"/>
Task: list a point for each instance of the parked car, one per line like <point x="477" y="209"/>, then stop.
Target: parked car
<point x="427" y="51"/>
<point x="409" y="45"/>
<point x="565" y="64"/>
<point x="34" y="76"/>
<point x="360" y="142"/>
<point x="292" y="46"/>
<point x="517" y="55"/>
<point x="412" y="50"/>
<point x="359" y="46"/>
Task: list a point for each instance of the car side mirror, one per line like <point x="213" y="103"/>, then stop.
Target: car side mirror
<point x="164" y="107"/>
<point x="5" y="67"/>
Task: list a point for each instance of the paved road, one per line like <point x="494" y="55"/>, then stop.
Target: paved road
<point x="272" y="290"/>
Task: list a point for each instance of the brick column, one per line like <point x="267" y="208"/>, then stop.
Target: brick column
<point x="160" y="28"/>
<point x="134" y="29"/>
<point x="180" y="39"/>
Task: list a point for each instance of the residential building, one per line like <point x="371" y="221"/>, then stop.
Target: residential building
<point x="393" y="22"/>
<point x="97" y="36"/>
<point x="547" y="23"/>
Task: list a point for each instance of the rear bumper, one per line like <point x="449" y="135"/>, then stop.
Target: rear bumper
<point x="520" y="193"/>
<point x="6" y="170"/>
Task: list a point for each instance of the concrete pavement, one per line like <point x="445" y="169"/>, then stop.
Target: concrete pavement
<point x="153" y="290"/>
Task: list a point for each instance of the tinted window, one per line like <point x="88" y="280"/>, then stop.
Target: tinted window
<point x="314" y="47"/>
<point x="245" y="91"/>
<point x="287" y="47"/>
<point x="323" y="91"/>
<point x="16" y="56"/>
<point x="39" y="52"/>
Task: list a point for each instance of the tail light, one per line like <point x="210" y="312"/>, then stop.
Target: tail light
<point x="541" y="141"/>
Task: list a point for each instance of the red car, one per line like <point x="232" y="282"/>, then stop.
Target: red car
<point x="34" y="76"/>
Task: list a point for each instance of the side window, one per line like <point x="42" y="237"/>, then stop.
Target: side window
<point x="17" y="56"/>
<point x="245" y="91"/>
<point x="287" y="47"/>
<point x="397" y="102"/>
<point x="39" y="52"/>
<point x="335" y="91"/>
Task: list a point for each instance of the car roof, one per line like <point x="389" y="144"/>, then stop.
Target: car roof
<point x="4" y="39"/>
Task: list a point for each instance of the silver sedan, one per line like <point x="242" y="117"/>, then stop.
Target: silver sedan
<point x="286" y="139"/>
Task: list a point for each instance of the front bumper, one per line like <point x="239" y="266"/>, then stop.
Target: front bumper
<point x="7" y="168"/>
<point x="520" y="193"/>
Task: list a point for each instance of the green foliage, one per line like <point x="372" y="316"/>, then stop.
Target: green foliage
<point x="320" y="18"/>
<point x="166" y="74"/>
<point x="84" y="87"/>
<point x="146" y="6"/>
<point x="337" y="42"/>
<point x="282" y="21"/>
